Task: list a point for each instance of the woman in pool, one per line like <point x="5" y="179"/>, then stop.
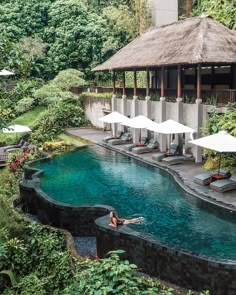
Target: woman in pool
<point x="115" y="220"/>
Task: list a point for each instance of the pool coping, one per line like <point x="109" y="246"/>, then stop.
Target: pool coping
<point x="34" y="183"/>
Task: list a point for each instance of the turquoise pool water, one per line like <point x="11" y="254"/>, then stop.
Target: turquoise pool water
<point x="95" y="175"/>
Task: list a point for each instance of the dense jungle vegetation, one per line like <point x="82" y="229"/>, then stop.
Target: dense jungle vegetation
<point x="52" y="45"/>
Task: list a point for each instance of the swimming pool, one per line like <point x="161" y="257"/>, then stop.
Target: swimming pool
<point x="94" y="175"/>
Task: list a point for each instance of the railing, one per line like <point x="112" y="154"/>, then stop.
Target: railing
<point x="211" y="97"/>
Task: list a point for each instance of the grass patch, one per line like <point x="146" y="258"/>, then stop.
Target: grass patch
<point x="27" y="119"/>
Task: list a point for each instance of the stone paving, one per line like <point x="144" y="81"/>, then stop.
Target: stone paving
<point x="186" y="171"/>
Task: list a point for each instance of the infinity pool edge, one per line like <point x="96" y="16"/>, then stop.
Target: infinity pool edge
<point x="93" y="220"/>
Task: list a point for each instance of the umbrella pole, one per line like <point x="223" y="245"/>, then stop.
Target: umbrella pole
<point x="219" y="164"/>
<point x="140" y="136"/>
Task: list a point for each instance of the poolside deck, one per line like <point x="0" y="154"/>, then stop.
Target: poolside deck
<point x="186" y="171"/>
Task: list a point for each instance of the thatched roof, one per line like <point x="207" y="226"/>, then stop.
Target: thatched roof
<point x="192" y="41"/>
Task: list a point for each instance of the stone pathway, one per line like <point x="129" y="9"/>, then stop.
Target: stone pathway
<point x="186" y="171"/>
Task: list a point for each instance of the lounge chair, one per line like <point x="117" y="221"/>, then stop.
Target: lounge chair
<point x="18" y="145"/>
<point x="174" y="160"/>
<point x="129" y="147"/>
<point x="15" y="149"/>
<point x="152" y="146"/>
<point x="223" y="185"/>
<point x="204" y="178"/>
<point x="125" y="138"/>
<point x="174" y="149"/>
<point x="107" y="138"/>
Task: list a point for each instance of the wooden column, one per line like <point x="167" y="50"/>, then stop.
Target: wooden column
<point x="148" y="83"/>
<point x="179" y="82"/>
<point x="155" y="79"/>
<point x="114" y="83"/>
<point x="162" y="83"/>
<point x="123" y="85"/>
<point x="232" y="77"/>
<point x="135" y="83"/>
<point x="212" y="77"/>
<point x="199" y="81"/>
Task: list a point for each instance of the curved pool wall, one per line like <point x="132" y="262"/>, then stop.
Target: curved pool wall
<point x="173" y="264"/>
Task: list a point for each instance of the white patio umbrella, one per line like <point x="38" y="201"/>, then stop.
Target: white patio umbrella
<point x="113" y="118"/>
<point x="138" y="122"/>
<point x="16" y="129"/>
<point x="221" y="142"/>
<point x="170" y="127"/>
<point x="6" y="73"/>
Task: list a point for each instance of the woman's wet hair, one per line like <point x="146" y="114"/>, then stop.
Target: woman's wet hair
<point x="113" y="214"/>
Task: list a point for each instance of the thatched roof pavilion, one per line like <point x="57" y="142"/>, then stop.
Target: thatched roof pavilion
<point x="191" y="41"/>
<point x="199" y="44"/>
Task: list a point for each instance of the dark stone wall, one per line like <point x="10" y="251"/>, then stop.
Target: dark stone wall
<point x="179" y="267"/>
<point x="79" y="220"/>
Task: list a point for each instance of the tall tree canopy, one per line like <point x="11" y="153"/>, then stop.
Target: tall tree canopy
<point x="223" y="11"/>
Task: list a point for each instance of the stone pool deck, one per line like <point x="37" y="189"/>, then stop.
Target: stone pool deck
<point x="186" y="171"/>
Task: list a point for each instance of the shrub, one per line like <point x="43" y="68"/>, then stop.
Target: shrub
<point x="58" y="146"/>
<point x="107" y="95"/>
<point x="216" y="123"/>
<point x="69" y="78"/>
<point x="58" y="117"/>
<point x="51" y="94"/>
<point x="24" y="105"/>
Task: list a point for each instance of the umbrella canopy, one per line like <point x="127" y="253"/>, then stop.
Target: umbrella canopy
<point x="16" y="129"/>
<point x="138" y="122"/>
<point x="6" y="73"/>
<point x="114" y="117"/>
<point x="169" y="127"/>
<point x="221" y="142"/>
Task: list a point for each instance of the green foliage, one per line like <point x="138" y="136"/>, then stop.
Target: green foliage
<point x="58" y="89"/>
<point x="58" y="117"/>
<point x="39" y="260"/>
<point x="44" y="37"/>
<point x="112" y="276"/>
<point x="9" y="218"/>
<point x="222" y="11"/>
<point x="76" y="36"/>
<point x="11" y="276"/>
<point x="69" y="78"/>
<point x="9" y="99"/>
<point x="216" y="123"/>
<point x="12" y="57"/>
<point x="121" y="21"/>
<point x="24" y="105"/>
<point x="51" y="94"/>
<point x="107" y="95"/>
<point x="21" y="18"/>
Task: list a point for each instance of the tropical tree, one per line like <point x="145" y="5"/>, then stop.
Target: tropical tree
<point x="21" y="18"/>
<point x="12" y="57"/>
<point x="223" y="11"/>
<point x="75" y="35"/>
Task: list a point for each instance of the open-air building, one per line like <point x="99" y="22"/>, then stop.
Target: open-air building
<point x="190" y="62"/>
